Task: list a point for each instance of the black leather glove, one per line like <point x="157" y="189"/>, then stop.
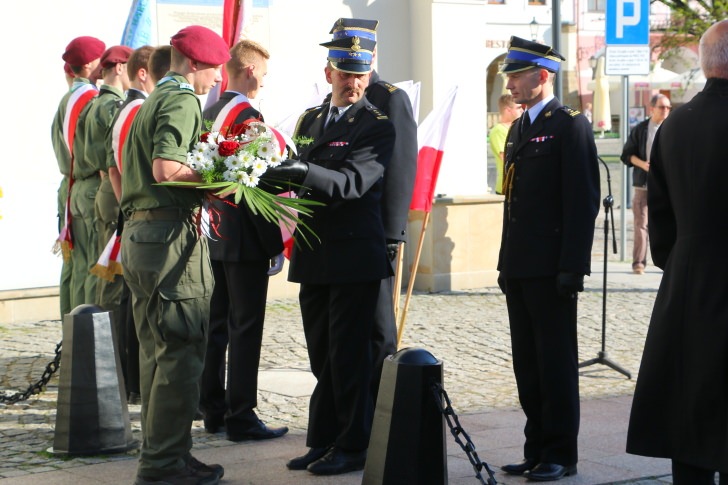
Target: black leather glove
<point x="568" y="284"/>
<point x="502" y="282"/>
<point x="392" y="249"/>
<point x="288" y="171"/>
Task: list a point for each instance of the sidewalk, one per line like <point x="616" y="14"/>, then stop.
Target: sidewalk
<point x="467" y="330"/>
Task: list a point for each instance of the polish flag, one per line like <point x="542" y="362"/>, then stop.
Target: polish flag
<point x="233" y="22"/>
<point x="431" y="136"/>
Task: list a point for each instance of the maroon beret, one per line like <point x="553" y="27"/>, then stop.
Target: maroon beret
<point x="83" y="50"/>
<point x="202" y="45"/>
<point x="118" y="54"/>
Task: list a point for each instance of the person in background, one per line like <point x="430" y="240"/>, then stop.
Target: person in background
<point x="141" y="83"/>
<point x="82" y="55"/>
<point x="636" y="153"/>
<point x="551" y="189"/>
<point x="165" y="260"/>
<point x="98" y="135"/>
<point x="508" y="112"/>
<point x="680" y="405"/>
<point x="241" y="250"/>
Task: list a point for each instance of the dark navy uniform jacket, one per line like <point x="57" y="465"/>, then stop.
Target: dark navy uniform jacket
<point x="550" y="211"/>
<point x="346" y="168"/>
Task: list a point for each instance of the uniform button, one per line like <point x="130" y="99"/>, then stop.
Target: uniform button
<point x="515" y="199"/>
<point x="513" y="219"/>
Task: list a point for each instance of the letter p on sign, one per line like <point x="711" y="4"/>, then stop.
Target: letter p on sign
<point x="628" y="22"/>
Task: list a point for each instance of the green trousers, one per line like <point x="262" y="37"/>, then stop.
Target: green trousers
<point x="85" y="252"/>
<point x="64" y="285"/>
<point x="108" y="293"/>
<point x="167" y="268"/>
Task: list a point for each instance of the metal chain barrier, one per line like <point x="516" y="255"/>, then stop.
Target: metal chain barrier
<point x="453" y="422"/>
<point x="39" y="386"/>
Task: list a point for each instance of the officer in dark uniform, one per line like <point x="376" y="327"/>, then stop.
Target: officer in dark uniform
<point x="552" y="199"/>
<point x="399" y="182"/>
<point x="340" y="274"/>
<point x="241" y="249"/>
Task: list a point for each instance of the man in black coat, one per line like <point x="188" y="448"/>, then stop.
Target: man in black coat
<point x="340" y="273"/>
<point x="636" y="153"/>
<point x="551" y="187"/>
<point x="399" y="183"/>
<point x="680" y="406"/>
<point x="242" y="245"/>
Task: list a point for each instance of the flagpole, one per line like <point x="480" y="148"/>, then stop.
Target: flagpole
<point x="411" y="283"/>
<point x="397" y="290"/>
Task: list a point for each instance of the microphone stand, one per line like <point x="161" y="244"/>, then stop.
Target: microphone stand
<point x="602" y="357"/>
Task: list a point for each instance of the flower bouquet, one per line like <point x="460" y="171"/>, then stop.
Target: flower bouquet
<point x="233" y="162"/>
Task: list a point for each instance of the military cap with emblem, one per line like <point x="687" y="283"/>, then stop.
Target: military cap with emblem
<point x="202" y="45"/>
<point x="363" y="28"/>
<point x="83" y="50"/>
<point x="351" y="54"/>
<point x="524" y="54"/>
<point x="118" y="54"/>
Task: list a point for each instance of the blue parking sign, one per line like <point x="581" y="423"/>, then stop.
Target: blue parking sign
<point x="628" y="22"/>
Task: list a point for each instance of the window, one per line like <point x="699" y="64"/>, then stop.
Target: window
<point x="596" y="5"/>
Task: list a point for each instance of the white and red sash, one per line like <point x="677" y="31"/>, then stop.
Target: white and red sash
<point x="78" y="100"/>
<point x="229" y="113"/>
<point x="120" y="130"/>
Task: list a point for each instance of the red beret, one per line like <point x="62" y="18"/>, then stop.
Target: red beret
<point x="118" y="54"/>
<point x="202" y="45"/>
<point x="83" y="50"/>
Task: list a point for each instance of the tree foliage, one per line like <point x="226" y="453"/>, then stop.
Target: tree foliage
<point x="688" y="20"/>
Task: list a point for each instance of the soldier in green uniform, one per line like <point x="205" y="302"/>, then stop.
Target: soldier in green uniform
<point x="82" y="56"/>
<point x="98" y="133"/>
<point x="165" y="260"/>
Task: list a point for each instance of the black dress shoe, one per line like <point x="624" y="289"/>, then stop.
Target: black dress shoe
<point x="338" y="461"/>
<point x="519" y="468"/>
<point x="258" y="432"/>
<point x="213" y="424"/>
<point x="548" y="472"/>
<point x="301" y="462"/>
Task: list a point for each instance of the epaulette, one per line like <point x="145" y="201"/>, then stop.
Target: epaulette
<point x="376" y="112"/>
<point x="186" y="86"/>
<point x="571" y="112"/>
<point x="390" y="87"/>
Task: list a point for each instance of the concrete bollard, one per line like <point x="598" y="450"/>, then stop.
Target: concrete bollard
<point x="407" y="445"/>
<point x="92" y="416"/>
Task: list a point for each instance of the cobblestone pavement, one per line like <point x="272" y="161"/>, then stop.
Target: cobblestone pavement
<point x="468" y="330"/>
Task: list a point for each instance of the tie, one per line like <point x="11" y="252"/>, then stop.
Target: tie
<point x="333" y="117"/>
<point x="526" y="123"/>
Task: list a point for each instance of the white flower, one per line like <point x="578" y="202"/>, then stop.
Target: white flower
<point x="274" y="160"/>
<point x="266" y="150"/>
<point x="233" y="162"/>
<point x="259" y="167"/>
<point x="246" y="159"/>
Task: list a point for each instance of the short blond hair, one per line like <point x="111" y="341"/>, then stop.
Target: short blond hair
<point x="244" y="53"/>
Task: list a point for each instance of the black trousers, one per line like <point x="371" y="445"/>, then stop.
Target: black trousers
<point x="384" y="333"/>
<point x="237" y="314"/>
<point x="545" y="363"/>
<point x="684" y="474"/>
<point x="337" y="322"/>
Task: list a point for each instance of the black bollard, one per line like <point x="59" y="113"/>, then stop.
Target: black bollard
<point x="407" y="445"/>
<point x="92" y="416"/>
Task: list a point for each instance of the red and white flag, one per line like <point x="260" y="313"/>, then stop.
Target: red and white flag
<point x="234" y="16"/>
<point x="431" y="136"/>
